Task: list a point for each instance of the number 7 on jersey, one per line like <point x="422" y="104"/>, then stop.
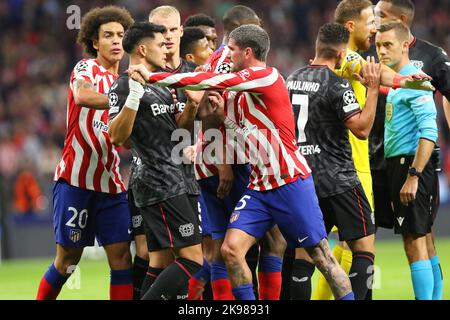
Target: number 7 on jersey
<point x="302" y="101"/>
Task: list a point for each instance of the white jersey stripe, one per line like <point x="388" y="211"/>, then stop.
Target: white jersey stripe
<point x="257" y="83"/>
<point x="77" y="161"/>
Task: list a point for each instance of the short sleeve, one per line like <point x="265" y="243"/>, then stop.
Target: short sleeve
<point x="343" y="100"/>
<point x="117" y="96"/>
<point x="441" y="73"/>
<point x="83" y="70"/>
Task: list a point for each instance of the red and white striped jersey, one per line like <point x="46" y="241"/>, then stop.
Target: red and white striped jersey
<point x="89" y="160"/>
<point x="266" y="119"/>
<point x="218" y="62"/>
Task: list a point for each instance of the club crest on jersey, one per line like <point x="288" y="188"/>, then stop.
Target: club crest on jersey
<point x="244" y="74"/>
<point x="389" y="111"/>
<point x="234" y="216"/>
<point x="75" y="235"/>
<point x="186" y="230"/>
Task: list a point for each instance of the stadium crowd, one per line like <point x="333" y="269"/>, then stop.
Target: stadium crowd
<point x="38" y="52"/>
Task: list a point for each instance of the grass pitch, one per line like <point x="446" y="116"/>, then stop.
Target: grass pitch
<point x="19" y="279"/>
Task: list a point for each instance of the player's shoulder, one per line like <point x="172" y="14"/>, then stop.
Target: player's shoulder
<point x="120" y="85"/>
<point x="188" y="66"/>
<point x="429" y="48"/>
<point x="352" y="56"/>
<point x="86" y="65"/>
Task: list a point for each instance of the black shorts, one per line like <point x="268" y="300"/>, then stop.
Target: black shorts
<point x="384" y="214"/>
<point x="136" y="217"/>
<point x="418" y="217"/>
<point x="350" y="212"/>
<point x="172" y="223"/>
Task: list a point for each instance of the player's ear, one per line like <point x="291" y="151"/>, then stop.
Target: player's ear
<point x="181" y="30"/>
<point x="95" y="44"/>
<point x="189" y="57"/>
<point x="142" y="50"/>
<point x="350" y="25"/>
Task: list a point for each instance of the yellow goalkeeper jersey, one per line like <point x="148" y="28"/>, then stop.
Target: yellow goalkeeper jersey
<point x="360" y="148"/>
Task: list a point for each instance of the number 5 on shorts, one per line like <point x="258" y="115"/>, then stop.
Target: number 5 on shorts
<point x="242" y="203"/>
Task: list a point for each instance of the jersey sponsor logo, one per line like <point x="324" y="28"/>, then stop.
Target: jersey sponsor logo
<point x="303" y="86"/>
<point x="158" y="109"/>
<point x="75" y="235"/>
<point x="389" y="111"/>
<point x="310" y="149"/>
<point x="417" y="63"/>
<point x="113" y="99"/>
<point x="100" y="125"/>
<point x="400" y="220"/>
<point x="186" y="230"/>
<point x="137" y="221"/>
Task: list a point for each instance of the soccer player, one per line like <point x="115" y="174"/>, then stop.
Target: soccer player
<point x="89" y="198"/>
<point x="435" y="62"/>
<point x="213" y="176"/>
<point x="145" y="117"/>
<point x="281" y="189"/>
<point x="194" y="46"/>
<point x="326" y="108"/>
<point x="169" y="17"/>
<point x="409" y="138"/>
<point x="208" y="26"/>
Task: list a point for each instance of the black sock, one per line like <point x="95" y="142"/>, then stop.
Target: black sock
<point x="369" y="295"/>
<point x="173" y="281"/>
<point x="361" y="272"/>
<point x="302" y="272"/>
<point x="286" y="272"/>
<point x="150" y="277"/>
<point x="140" y="267"/>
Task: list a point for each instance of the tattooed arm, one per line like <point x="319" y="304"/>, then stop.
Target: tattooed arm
<point x="85" y="96"/>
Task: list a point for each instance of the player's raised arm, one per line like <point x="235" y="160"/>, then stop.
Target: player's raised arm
<point x="250" y="79"/>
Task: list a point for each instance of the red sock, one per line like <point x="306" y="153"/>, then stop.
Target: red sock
<point x="269" y="285"/>
<point x="46" y="291"/>
<point x="121" y="291"/>
<point x="221" y="289"/>
<point x="196" y="288"/>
